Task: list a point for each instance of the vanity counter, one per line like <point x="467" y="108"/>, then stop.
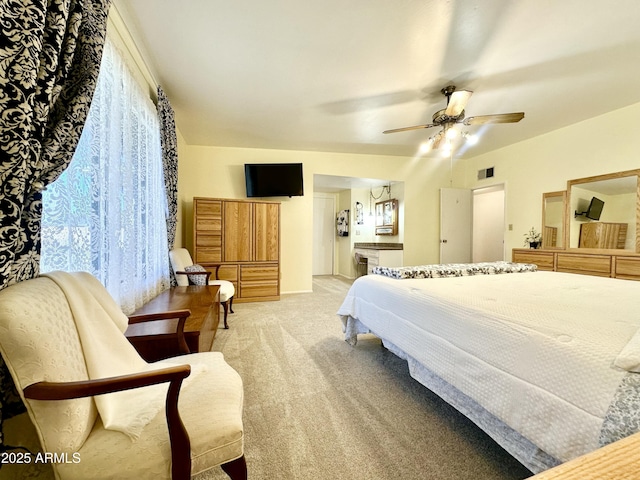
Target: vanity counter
<point x="376" y="254"/>
<point x="378" y="246"/>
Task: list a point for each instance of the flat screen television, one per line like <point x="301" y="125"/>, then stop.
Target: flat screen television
<point x="595" y="209"/>
<point x="273" y="179"/>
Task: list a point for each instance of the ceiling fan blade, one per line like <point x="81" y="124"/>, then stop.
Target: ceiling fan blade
<point x="457" y="101"/>
<point x="415" y="127"/>
<point x="497" y="118"/>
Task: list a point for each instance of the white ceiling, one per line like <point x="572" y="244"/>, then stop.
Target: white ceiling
<point x="331" y="75"/>
<point x="334" y="183"/>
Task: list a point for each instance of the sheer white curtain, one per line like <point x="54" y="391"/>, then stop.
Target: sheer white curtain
<point x="106" y="214"/>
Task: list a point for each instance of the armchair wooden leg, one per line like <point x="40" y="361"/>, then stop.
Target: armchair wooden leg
<point x="225" y="305"/>
<point x="236" y="469"/>
<point x="231" y="305"/>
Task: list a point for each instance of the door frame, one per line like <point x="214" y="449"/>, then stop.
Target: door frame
<point x="333" y="198"/>
<point x="502" y="186"/>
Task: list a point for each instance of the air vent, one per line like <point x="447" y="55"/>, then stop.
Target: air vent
<point x="485" y="173"/>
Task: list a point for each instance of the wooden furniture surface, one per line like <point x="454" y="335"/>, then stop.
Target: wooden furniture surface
<point x="243" y="237"/>
<point x="616" y="461"/>
<point x="603" y="263"/>
<point x="157" y="340"/>
<point x="603" y="235"/>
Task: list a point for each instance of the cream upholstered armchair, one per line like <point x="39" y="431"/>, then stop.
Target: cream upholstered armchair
<point x="61" y="336"/>
<point x="188" y="273"/>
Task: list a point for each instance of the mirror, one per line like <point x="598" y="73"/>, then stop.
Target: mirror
<point x="603" y="212"/>
<point x="387" y="217"/>
<point x="553" y="219"/>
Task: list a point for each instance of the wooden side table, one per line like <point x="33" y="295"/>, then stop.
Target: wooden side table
<point x="157" y="340"/>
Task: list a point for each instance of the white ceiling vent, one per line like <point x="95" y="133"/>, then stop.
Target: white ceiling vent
<point x="485" y="173"/>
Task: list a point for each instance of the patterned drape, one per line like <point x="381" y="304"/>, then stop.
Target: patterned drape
<point x="169" y="143"/>
<point x="50" y="51"/>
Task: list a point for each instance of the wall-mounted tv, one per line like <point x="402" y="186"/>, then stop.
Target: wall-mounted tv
<point x="595" y="209"/>
<point x="273" y="179"/>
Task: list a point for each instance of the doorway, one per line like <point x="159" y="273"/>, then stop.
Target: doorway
<point x="488" y="224"/>
<point x="324" y="212"/>
<point x="472" y="224"/>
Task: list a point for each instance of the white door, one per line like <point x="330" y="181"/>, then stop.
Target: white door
<point x="455" y="225"/>
<point x="488" y="224"/>
<point x="324" y="214"/>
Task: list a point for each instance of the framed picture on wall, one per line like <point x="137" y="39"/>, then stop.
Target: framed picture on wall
<point x="342" y="223"/>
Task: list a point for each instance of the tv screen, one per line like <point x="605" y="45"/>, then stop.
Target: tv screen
<point x="273" y="179"/>
<point x="595" y="209"/>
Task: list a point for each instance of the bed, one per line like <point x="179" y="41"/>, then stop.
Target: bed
<point x="544" y="362"/>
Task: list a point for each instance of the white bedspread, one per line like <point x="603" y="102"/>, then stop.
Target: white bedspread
<point x="537" y="350"/>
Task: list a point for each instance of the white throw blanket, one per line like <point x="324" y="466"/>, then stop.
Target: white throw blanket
<point x="108" y="353"/>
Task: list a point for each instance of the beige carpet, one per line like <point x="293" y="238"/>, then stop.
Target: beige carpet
<point x="316" y="408"/>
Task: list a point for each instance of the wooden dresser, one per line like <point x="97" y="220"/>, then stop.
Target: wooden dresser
<point x="603" y="235"/>
<point x="603" y="263"/>
<point x="243" y="237"/>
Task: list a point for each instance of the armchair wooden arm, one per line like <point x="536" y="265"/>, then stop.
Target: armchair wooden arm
<point x="207" y="273"/>
<point x="181" y="315"/>
<point x="178" y="436"/>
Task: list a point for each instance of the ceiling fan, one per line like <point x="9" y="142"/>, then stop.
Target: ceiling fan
<point x="454" y="114"/>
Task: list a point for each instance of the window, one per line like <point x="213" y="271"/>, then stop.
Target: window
<point x="106" y="214"/>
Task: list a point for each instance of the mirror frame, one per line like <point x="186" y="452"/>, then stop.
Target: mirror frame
<point x="387" y="217"/>
<point x="598" y="178"/>
<point x="562" y="239"/>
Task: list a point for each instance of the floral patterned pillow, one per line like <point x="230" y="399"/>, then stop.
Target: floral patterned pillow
<point x="196" y="279"/>
<point x="454" y="269"/>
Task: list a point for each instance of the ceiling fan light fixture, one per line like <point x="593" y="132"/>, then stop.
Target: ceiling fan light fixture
<point x="426" y="146"/>
<point x="470" y="138"/>
<point x="454" y="114"/>
<point x="451" y="133"/>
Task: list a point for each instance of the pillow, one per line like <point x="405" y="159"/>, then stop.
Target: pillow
<point x="196" y="279"/>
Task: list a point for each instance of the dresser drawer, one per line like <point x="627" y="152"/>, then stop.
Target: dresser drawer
<point x="628" y="268"/>
<point x="368" y="252"/>
<point x="209" y="225"/>
<point x="544" y="260"/>
<point x="228" y="272"/>
<point x="208" y="240"/>
<point x="211" y="208"/>
<point x="208" y="255"/>
<point x="591" y="264"/>
<point x="260" y="289"/>
<point x="253" y="273"/>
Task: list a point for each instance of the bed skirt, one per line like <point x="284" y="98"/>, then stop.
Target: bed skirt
<point x="518" y="446"/>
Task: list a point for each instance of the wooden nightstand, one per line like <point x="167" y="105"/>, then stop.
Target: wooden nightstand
<point x="158" y="340"/>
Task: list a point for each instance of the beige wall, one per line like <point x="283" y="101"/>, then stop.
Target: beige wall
<point x="218" y="172"/>
<point x="605" y="144"/>
<point x="543" y="164"/>
<point x="366" y="231"/>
